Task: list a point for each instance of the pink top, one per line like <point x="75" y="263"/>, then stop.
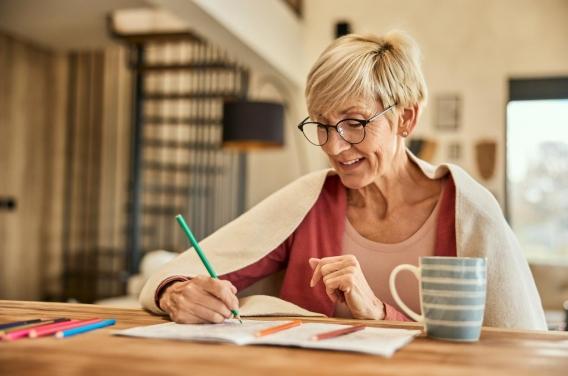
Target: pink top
<point x="377" y="260"/>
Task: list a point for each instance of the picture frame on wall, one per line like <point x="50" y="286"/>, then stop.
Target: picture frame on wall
<point x="447" y="112"/>
<point x="454" y="151"/>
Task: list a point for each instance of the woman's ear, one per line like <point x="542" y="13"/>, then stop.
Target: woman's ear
<point x="408" y="120"/>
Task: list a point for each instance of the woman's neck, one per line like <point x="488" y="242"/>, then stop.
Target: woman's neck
<point x="403" y="184"/>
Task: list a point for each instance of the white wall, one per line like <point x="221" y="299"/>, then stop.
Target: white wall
<point x="268" y="27"/>
<point x="62" y="24"/>
<point x="470" y="47"/>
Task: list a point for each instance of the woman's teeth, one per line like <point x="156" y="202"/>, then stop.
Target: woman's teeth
<point x="351" y="162"/>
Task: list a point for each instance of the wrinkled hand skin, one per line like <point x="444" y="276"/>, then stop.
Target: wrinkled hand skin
<point x="344" y="282"/>
<point x="200" y="300"/>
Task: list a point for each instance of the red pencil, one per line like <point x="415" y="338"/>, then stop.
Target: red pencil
<point x="52" y="329"/>
<point x="338" y="332"/>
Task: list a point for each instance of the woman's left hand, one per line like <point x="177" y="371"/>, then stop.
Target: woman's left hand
<point x="344" y="281"/>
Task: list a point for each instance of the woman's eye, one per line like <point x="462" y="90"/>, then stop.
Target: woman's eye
<point x="352" y="123"/>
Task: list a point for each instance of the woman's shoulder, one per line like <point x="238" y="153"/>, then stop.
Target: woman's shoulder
<point x="472" y="196"/>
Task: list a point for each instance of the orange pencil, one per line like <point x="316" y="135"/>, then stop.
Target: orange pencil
<point x="278" y="328"/>
<point x="52" y="329"/>
<point x="338" y="332"/>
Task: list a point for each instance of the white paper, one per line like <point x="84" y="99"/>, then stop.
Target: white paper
<point x="230" y="331"/>
<point x="377" y="341"/>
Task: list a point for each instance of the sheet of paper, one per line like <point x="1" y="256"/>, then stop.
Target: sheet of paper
<point x="230" y="331"/>
<point x="376" y="341"/>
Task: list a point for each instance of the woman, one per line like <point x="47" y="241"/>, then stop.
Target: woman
<point x="338" y="233"/>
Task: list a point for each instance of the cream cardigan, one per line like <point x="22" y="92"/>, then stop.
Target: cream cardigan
<point x="481" y="231"/>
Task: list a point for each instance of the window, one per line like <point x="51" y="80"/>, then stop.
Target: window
<point x="537" y="176"/>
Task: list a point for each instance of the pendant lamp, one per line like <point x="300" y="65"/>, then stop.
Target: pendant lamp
<point x="252" y="125"/>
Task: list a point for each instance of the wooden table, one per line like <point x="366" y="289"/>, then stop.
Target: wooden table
<point x="499" y="352"/>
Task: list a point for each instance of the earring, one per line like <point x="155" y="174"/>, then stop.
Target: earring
<point x="405" y="133"/>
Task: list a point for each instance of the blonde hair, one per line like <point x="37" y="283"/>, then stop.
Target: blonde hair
<point x="367" y="67"/>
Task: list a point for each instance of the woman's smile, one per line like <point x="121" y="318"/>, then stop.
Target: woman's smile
<point x="350" y="164"/>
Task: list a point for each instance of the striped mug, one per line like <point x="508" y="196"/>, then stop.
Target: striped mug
<point x="452" y="296"/>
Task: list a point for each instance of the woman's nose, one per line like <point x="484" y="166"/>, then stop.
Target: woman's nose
<point x="335" y="143"/>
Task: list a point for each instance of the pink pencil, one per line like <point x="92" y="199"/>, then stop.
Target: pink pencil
<point x="52" y="329"/>
<point x="21" y="333"/>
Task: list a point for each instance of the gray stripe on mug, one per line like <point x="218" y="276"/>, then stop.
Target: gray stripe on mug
<point x="453" y="315"/>
<point x="453" y="274"/>
<point x="452" y="300"/>
<point x="451" y="287"/>
<point x="462" y="333"/>
<point x="452" y="261"/>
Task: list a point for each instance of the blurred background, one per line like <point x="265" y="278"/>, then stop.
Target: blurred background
<point x="116" y="115"/>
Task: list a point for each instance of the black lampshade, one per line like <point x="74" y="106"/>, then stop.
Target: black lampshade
<point x="251" y="125"/>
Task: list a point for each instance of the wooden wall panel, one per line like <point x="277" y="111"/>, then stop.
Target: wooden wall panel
<point x="96" y="177"/>
<point x="27" y="106"/>
<point x="51" y="258"/>
<point x="61" y="118"/>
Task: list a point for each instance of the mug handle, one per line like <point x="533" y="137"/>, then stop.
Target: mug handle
<point x="392" y="279"/>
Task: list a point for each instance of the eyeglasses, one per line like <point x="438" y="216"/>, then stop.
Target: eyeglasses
<point x="351" y="130"/>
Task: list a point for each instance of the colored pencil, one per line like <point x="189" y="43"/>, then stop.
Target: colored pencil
<point x="278" y="328"/>
<point x="338" y="332"/>
<point x="201" y="255"/>
<point x="24" y="332"/>
<point x="30" y="326"/>
<point x="84" y="328"/>
<point x="54" y="328"/>
<point x="9" y="325"/>
<point x="24" y="326"/>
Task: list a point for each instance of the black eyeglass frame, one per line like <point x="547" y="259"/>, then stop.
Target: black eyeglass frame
<point x="363" y="122"/>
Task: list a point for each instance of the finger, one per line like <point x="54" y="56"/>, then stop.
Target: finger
<point x="331" y="259"/>
<point x="326" y="266"/>
<point x="177" y="314"/>
<point x="349" y="270"/>
<point x="206" y="299"/>
<point x="333" y="267"/>
<point x="231" y="286"/>
<point x="342" y="283"/>
<point x="222" y="291"/>
<point x="334" y="294"/>
<point x="313" y="262"/>
<point x="331" y="294"/>
<point x="184" y="317"/>
<point x="205" y="314"/>
<point x="335" y="285"/>
<point x="316" y="276"/>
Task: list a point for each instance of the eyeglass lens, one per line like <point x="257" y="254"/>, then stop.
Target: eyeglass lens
<point x="350" y="130"/>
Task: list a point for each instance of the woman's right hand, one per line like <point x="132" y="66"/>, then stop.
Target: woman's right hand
<point x="202" y="299"/>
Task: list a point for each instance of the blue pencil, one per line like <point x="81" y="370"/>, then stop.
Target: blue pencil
<point x="84" y="328"/>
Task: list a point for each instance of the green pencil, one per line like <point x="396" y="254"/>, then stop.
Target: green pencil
<point x="201" y="255"/>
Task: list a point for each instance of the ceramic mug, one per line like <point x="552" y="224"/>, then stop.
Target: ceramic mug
<point x="452" y="296"/>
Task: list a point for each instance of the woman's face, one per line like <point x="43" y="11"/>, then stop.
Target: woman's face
<point x="358" y="165"/>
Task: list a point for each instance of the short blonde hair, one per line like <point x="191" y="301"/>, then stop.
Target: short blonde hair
<point x="367" y="67"/>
